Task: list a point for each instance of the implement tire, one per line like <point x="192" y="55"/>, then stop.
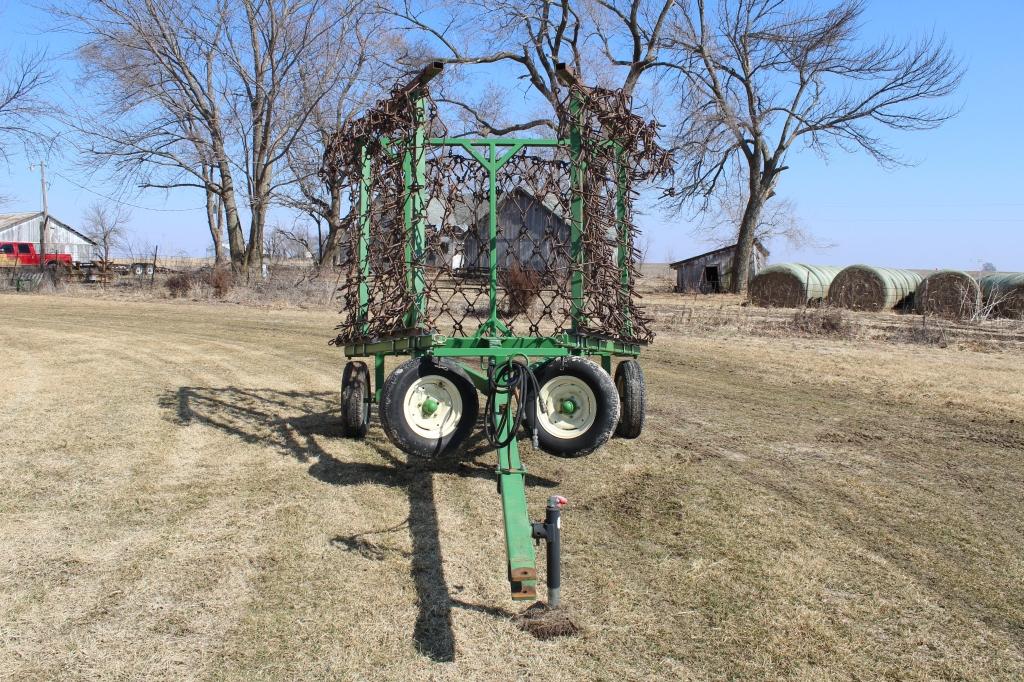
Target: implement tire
<point x="578" y="407"/>
<point x="428" y="407"/>
<point x="355" y="399"/>
<point x="632" y="390"/>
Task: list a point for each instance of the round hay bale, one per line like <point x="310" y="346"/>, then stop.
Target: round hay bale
<point x="791" y="285"/>
<point x="1003" y="292"/>
<point x="948" y="293"/>
<point x="863" y="287"/>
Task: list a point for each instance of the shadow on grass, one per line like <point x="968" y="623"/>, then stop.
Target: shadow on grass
<point x="293" y="422"/>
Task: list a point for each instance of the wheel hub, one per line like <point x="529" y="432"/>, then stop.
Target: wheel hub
<point x="568" y="407"/>
<point x="433" y="407"/>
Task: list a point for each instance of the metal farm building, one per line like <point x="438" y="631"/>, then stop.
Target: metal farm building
<point x="711" y="272"/>
<point x="60" y="237"/>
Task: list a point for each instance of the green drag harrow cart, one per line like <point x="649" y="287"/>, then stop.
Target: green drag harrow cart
<point x="497" y="267"/>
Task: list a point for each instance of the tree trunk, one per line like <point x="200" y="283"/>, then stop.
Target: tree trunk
<point x="330" y="245"/>
<point x="236" y="240"/>
<point x="260" y="200"/>
<point x="213" y="219"/>
<point x="745" y="239"/>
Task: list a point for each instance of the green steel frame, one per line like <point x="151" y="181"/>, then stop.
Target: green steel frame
<point x="492" y="341"/>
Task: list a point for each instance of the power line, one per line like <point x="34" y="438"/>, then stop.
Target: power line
<point x="125" y="203"/>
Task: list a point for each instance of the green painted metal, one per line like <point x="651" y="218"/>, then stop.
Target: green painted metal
<point x="364" y="235"/>
<point x="440" y="345"/>
<point x="519" y="552"/>
<point x="378" y="377"/>
<point x="492" y="238"/>
<point x="577" y="168"/>
<point x="414" y="171"/>
<point x="493" y="340"/>
<point x="499" y="141"/>
<point x="625" y="247"/>
<point x="865" y="287"/>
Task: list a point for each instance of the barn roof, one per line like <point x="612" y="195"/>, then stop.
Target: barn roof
<point x="9" y="220"/>
<point x="464" y="213"/>
<point x="730" y="247"/>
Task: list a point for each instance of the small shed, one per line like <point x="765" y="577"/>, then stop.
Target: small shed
<point x="711" y="272"/>
<point x="60" y="237"/>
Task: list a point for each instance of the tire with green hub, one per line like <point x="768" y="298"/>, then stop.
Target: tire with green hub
<point x="577" y="407"/>
<point x="428" y="407"/>
<point x="632" y="390"/>
<point x="355" y="399"/>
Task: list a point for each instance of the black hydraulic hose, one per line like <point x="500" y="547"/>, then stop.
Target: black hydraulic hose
<point x="515" y="379"/>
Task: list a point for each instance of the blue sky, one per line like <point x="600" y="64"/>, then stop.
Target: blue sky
<point x="959" y="205"/>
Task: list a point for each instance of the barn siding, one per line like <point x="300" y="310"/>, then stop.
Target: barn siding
<point x="529" y="234"/>
<point x="59" y="239"/>
<point x="690" y="273"/>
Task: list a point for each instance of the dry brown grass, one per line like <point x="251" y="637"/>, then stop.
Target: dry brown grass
<point x="177" y="503"/>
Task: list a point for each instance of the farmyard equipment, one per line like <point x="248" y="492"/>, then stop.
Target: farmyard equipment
<point x="453" y="246"/>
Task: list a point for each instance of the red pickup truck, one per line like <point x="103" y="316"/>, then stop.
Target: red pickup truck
<point x="24" y="254"/>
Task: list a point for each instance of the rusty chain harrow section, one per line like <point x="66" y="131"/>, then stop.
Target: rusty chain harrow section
<point x="618" y="151"/>
<point x="417" y="245"/>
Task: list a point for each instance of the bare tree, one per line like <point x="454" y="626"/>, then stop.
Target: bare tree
<point x="363" y="65"/>
<point x="198" y="94"/>
<point x="778" y="220"/>
<point x="758" y="77"/>
<point x="21" y="105"/>
<point x="107" y="225"/>
<point x="154" y="68"/>
<point x="607" y="42"/>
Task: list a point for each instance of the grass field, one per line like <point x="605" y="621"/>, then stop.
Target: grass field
<point x="176" y="502"/>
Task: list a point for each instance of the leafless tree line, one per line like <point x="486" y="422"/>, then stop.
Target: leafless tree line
<point x="236" y="98"/>
<point x="222" y="96"/>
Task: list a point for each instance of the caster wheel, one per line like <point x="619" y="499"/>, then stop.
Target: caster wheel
<point x="577" y="407"/>
<point x="632" y="390"/>
<point x="355" y="399"/>
<point x="428" y="407"/>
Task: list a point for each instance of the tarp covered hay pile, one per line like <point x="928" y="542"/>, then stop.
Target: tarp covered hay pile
<point x="863" y="287"/>
<point x="948" y="293"/>
<point x="1004" y="291"/>
<point x="791" y="285"/>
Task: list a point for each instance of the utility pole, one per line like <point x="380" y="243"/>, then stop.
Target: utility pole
<point x="46" y="218"/>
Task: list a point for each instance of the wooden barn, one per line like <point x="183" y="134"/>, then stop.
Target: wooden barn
<point x="60" y="237"/>
<point x="532" y="232"/>
<point x="711" y="272"/>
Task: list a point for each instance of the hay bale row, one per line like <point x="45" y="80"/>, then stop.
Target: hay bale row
<point x="791" y="285"/>
<point x="1004" y="292"/>
<point x="863" y="287"/>
<point x="948" y="293"/>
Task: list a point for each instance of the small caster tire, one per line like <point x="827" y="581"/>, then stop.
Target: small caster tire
<point x="428" y="407"/>
<point x="632" y="390"/>
<point x="577" y="407"/>
<point x="355" y="399"/>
